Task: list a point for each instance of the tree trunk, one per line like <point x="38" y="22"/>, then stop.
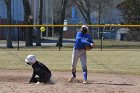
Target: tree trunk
<point x="60" y="39"/>
<point x="38" y="43"/>
<point x="9" y="30"/>
<point x="84" y="7"/>
<point x="28" y="20"/>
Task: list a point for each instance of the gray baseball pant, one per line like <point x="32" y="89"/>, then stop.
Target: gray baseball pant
<point x="76" y="54"/>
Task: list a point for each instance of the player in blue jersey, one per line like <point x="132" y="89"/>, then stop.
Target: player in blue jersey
<point x="83" y="39"/>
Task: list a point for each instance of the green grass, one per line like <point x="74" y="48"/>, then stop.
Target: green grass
<point x="117" y="44"/>
<point x="118" y="61"/>
<point x="107" y="44"/>
<point x="113" y="42"/>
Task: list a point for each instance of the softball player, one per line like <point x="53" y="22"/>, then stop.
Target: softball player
<point x="39" y="69"/>
<point x="83" y="39"/>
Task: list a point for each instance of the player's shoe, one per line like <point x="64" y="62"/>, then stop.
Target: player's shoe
<point x="85" y="82"/>
<point x="71" y="79"/>
<point x="38" y="83"/>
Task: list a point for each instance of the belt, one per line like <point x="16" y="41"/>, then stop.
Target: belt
<point x="79" y="49"/>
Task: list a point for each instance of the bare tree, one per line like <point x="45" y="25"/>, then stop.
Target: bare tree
<point x="131" y="13"/>
<point x="60" y="21"/>
<point x="87" y="7"/>
<point x="9" y="31"/>
<point x="57" y="8"/>
<point x="38" y="43"/>
<point x="28" y="19"/>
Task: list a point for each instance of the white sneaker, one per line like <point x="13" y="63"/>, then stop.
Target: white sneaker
<point x="71" y="79"/>
<point x="38" y="83"/>
<point x="85" y="82"/>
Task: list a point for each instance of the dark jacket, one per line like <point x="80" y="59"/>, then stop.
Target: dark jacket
<point x="43" y="73"/>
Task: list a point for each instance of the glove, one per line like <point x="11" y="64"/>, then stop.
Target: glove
<point x="89" y="47"/>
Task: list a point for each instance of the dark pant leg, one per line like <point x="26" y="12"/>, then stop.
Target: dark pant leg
<point x="35" y="80"/>
<point x="45" y="78"/>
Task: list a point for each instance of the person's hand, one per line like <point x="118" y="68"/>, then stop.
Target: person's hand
<point x="92" y="45"/>
<point x="89" y="47"/>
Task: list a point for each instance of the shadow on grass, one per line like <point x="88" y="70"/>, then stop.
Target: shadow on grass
<point x="92" y="82"/>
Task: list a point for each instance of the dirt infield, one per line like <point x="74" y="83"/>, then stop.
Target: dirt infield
<point x="13" y="81"/>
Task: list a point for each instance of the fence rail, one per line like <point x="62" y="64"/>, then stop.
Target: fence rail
<point x="114" y="25"/>
<point x="106" y="36"/>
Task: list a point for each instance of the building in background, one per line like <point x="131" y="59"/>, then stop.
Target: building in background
<point x="18" y="14"/>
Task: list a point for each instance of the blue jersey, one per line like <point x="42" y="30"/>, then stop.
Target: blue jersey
<point x="82" y="40"/>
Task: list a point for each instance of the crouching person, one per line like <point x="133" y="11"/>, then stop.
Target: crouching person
<point x="41" y="74"/>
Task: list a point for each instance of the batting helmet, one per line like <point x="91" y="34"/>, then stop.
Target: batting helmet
<point x="30" y="59"/>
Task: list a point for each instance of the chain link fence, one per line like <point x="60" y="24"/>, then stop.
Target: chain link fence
<point x="105" y="36"/>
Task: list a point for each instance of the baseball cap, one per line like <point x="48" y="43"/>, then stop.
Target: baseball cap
<point x="84" y="26"/>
